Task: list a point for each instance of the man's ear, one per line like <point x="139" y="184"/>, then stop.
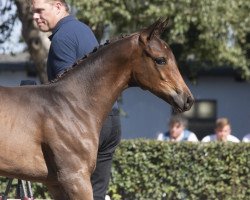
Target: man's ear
<point x="59" y="6"/>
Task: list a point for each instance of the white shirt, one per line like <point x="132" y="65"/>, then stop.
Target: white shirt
<point x="191" y="138"/>
<point x="210" y="138"/>
<point x="246" y="138"/>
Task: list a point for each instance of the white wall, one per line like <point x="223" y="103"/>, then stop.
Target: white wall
<point x="148" y="114"/>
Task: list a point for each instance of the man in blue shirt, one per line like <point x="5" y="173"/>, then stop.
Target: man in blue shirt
<point x="70" y="41"/>
<point x="177" y="131"/>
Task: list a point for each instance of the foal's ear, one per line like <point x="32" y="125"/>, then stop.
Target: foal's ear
<point x="154" y="30"/>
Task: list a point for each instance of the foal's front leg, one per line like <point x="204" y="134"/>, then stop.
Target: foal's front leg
<point x="71" y="165"/>
<point x="73" y="186"/>
<point x="57" y="192"/>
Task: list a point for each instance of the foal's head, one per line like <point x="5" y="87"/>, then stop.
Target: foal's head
<point x="157" y="70"/>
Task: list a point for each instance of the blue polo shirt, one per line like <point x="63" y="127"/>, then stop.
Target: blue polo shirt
<point x="70" y="41"/>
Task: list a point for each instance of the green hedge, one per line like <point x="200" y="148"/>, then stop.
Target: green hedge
<point x="152" y="170"/>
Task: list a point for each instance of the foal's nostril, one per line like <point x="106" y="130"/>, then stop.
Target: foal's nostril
<point x="190" y="100"/>
<point x="189" y="103"/>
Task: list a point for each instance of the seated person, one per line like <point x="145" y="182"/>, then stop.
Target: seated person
<point x="222" y="132"/>
<point x="246" y="138"/>
<point x="177" y="131"/>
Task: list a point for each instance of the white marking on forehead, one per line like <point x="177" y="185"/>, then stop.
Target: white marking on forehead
<point x="165" y="47"/>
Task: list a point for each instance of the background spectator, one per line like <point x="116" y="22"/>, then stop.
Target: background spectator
<point x="246" y="138"/>
<point x="222" y="132"/>
<point x="177" y="131"/>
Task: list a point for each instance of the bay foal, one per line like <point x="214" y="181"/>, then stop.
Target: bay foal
<point x="49" y="133"/>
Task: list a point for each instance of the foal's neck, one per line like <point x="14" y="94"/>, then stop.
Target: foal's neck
<point x="101" y="78"/>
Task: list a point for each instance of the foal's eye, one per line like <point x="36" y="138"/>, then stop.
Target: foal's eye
<point x="160" y="61"/>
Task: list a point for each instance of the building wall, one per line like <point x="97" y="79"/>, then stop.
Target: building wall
<point x="13" y="78"/>
<point x="148" y="114"/>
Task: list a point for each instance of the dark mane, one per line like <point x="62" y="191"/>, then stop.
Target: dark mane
<point x="78" y="62"/>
